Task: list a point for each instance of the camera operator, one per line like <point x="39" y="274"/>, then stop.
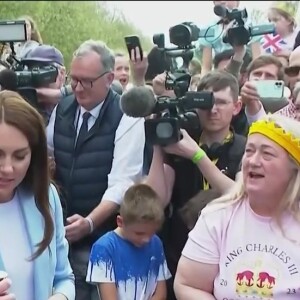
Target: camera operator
<point x="177" y="179"/>
<point x="215" y="45"/>
<point x="46" y="55"/>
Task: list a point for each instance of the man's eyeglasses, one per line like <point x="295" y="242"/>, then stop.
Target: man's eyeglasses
<point x="85" y="83"/>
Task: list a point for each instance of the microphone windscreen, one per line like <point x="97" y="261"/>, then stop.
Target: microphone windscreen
<point x="117" y="87"/>
<point x="220" y="11"/>
<point x="138" y="102"/>
<point x="8" y="80"/>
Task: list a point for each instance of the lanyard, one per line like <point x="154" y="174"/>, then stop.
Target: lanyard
<point x="215" y="161"/>
<point x="205" y="183"/>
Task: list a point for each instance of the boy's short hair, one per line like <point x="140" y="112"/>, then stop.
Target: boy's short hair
<point x="141" y="204"/>
<point x="192" y="209"/>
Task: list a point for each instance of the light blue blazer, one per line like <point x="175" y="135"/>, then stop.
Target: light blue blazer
<point x="52" y="270"/>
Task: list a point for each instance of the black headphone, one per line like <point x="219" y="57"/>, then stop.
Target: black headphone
<point x="216" y="149"/>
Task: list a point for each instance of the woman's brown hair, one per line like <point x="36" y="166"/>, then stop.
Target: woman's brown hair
<point x="16" y="112"/>
<point x="35" y="34"/>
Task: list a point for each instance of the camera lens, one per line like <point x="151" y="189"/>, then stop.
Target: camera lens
<point x="164" y="130"/>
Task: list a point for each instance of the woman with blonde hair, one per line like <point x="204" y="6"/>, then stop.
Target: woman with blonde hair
<point x="282" y="15"/>
<point x="245" y="244"/>
<point x="33" y="248"/>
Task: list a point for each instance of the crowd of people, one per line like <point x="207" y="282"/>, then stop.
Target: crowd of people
<point x="90" y="209"/>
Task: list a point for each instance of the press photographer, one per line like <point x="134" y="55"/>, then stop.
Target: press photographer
<point x="175" y="170"/>
<point x="47" y="58"/>
<point x="240" y="33"/>
<point x="229" y="12"/>
<point x="43" y="68"/>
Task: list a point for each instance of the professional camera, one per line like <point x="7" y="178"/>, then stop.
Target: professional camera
<point x="174" y="114"/>
<point x="182" y="36"/>
<point x="240" y="34"/>
<point x="179" y="112"/>
<point x="28" y="76"/>
<point x="35" y="77"/>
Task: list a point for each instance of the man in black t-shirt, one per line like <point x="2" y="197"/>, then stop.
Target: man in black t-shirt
<point x="177" y="179"/>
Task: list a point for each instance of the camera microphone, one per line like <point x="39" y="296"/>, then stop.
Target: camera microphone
<point x="138" y="102"/>
<point x="8" y="80"/>
<point x="220" y="11"/>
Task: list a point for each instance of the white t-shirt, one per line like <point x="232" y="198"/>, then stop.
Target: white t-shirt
<point x="15" y="249"/>
<point x="255" y="260"/>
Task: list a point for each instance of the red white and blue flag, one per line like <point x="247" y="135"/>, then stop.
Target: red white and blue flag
<point x="272" y="43"/>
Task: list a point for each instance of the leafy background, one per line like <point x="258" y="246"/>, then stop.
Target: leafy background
<point x="66" y="24"/>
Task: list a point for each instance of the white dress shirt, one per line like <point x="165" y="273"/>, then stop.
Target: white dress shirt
<point x="127" y="165"/>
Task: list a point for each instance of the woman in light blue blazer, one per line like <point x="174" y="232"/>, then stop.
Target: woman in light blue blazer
<point x="33" y="248"/>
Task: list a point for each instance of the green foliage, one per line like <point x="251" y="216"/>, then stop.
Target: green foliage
<point x="66" y="24"/>
<point x="258" y="16"/>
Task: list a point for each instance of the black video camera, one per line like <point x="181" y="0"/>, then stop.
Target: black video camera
<point x="35" y="77"/>
<point x="182" y="36"/>
<point x="240" y="34"/>
<point x="178" y="112"/>
<point x="174" y="114"/>
<point x="28" y="78"/>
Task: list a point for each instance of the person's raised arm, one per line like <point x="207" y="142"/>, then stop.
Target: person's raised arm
<point x="236" y="62"/>
<point x="207" y="58"/>
<point x="161" y="176"/>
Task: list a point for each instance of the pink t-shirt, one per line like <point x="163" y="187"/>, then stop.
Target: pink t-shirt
<point x="255" y="260"/>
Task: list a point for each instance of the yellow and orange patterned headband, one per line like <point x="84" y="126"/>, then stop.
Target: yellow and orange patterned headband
<point x="278" y="135"/>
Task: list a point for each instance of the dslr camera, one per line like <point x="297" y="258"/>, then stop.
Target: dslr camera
<point x="180" y="111"/>
<point x="240" y="34"/>
<point x="28" y="78"/>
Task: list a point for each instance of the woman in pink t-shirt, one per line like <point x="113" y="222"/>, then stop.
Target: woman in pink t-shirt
<point x="246" y="244"/>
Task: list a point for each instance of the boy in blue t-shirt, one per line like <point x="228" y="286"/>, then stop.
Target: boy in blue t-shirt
<point x="129" y="263"/>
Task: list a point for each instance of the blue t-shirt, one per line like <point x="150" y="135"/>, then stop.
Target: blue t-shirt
<point x="134" y="270"/>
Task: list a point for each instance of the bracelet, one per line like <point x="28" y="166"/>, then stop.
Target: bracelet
<point x="198" y="156"/>
<point x="91" y="223"/>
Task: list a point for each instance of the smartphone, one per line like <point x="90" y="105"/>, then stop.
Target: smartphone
<point x="270" y="88"/>
<point x="133" y="42"/>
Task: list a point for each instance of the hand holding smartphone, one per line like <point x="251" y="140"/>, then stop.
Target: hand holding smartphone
<point x="134" y="47"/>
<point x="273" y="94"/>
<point x="269" y="88"/>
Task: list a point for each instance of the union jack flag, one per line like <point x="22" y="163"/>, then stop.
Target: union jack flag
<point x="272" y="43"/>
